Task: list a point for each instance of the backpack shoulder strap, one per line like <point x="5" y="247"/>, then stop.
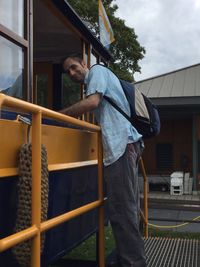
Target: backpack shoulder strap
<point x="117" y="108"/>
<point x="99" y="64"/>
<point x="110" y="100"/>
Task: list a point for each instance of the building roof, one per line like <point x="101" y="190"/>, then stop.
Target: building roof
<point x="176" y="87"/>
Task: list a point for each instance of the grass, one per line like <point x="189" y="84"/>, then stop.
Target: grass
<point x="172" y="234"/>
<point x="87" y="250"/>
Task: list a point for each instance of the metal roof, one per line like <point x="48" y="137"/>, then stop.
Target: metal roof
<point x="177" y="87"/>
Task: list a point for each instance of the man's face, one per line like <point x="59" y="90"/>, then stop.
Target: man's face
<point x="76" y="70"/>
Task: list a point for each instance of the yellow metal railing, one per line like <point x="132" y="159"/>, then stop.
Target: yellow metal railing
<point x="34" y="232"/>
<point x="38" y="227"/>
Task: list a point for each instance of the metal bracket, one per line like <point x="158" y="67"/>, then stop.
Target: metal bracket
<point x="26" y="121"/>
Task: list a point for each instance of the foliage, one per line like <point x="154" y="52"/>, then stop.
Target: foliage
<point x="87" y="250"/>
<point x="70" y="92"/>
<point x="42" y="87"/>
<point x="173" y="234"/>
<point x="126" y="50"/>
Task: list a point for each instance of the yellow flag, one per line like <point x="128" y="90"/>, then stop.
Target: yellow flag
<point x="106" y="32"/>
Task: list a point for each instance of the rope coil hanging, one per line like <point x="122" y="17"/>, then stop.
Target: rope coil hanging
<point x="22" y="251"/>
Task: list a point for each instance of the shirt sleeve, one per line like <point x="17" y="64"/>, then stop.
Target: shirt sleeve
<point x="97" y="80"/>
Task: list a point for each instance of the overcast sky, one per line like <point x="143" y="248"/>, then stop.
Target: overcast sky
<point x="168" y="29"/>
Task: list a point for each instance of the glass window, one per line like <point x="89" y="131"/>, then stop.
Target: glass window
<point x="70" y="91"/>
<point x="42" y="90"/>
<point x="11" y="68"/>
<point x="12" y="15"/>
<point x="164" y="157"/>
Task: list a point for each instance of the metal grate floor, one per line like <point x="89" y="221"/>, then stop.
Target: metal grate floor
<point x="168" y="252"/>
<point x="161" y="252"/>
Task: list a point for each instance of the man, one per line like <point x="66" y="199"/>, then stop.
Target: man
<point x="122" y="146"/>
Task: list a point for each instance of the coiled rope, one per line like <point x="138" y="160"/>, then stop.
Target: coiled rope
<point x="22" y="251"/>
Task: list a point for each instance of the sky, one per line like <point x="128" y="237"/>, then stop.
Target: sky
<point x="169" y="30"/>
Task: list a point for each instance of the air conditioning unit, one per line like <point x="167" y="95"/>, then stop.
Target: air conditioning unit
<point x="176" y="183"/>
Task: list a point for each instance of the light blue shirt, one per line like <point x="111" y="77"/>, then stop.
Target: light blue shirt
<point x="117" y="131"/>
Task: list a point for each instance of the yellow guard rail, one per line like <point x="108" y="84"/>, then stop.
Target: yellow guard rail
<point x="38" y="227"/>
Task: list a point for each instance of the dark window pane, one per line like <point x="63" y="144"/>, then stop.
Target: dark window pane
<point x="164" y="157"/>
<point x="70" y="91"/>
<point x="42" y="90"/>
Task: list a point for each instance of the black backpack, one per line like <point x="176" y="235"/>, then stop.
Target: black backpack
<point x="144" y="114"/>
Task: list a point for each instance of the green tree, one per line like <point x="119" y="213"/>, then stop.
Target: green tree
<point x="126" y="50"/>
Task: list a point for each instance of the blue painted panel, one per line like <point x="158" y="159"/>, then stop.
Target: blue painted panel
<point x="11" y="115"/>
<point x="8" y="207"/>
<point x="68" y="189"/>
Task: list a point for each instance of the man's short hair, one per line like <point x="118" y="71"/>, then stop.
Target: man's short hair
<point x="75" y="57"/>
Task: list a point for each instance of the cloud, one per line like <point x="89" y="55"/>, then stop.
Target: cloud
<point x="169" y="30"/>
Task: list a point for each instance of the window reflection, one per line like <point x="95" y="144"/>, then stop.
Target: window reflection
<point x="11" y="68"/>
<point x="42" y="90"/>
<point x="70" y="91"/>
<point x="12" y="15"/>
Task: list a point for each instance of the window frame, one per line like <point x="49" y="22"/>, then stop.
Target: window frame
<point x="26" y="44"/>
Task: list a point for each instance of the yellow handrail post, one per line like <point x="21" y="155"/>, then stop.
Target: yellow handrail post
<point x="36" y="187"/>
<point x="101" y="208"/>
<point x="145" y="197"/>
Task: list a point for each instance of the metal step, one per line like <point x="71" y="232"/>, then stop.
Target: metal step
<point x="160" y="252"/>
<point x="169" y="252"/>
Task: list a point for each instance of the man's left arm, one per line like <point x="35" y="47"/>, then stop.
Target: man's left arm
<point x="85" y="105"/>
